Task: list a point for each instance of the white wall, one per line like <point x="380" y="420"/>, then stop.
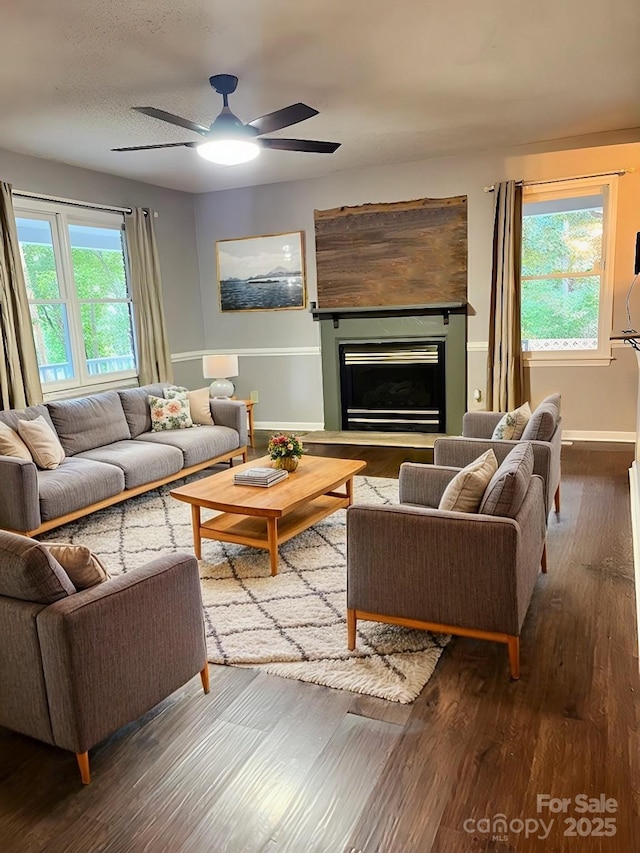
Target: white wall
<point x="595" y="399"/>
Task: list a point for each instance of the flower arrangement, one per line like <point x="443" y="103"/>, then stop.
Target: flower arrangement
<point x="285" y="445"/>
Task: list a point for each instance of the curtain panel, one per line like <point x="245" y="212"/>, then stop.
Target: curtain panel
<point x="19" y="376"/>
<point x="505" y="375"/>
<point x="154" y="357"/>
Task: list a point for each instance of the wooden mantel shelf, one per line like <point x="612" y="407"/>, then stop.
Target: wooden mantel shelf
<point x="335" y="314"/>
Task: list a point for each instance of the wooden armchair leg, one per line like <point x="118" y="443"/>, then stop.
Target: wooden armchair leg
<point x="351" y="630"/>
<point x="83" y="764"/>
<point x="556" y="500"/>
<point x="543" y="561"/>
<point x="204" y="677"/>
<point x="514" y="657"/>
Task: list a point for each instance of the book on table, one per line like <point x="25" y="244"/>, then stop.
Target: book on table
<point x="259" y="476"/>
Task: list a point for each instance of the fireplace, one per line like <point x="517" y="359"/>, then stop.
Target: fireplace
<point x="393" y="386"/>
<point x="394" y="369"/>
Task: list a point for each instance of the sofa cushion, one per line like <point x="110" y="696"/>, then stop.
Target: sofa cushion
<point x="511" y="424"/>
<point x="76" y="484"/>
<point x="89" y="421"/>
<point x="140" y="463"/>
<point x="29" y="572"/>
<point x="12" y="445"/>
<point x="42" y="441"/>
<point x="197" y="444"/>
<point x="12" y="417"/>
<point x="169" y="414"/>
<point x="542" y="423"/>
<point x="465" y="491"/>
<point x="81" y="565"/>
<point x="506" y="491"/>
<point x="135" y="404"/>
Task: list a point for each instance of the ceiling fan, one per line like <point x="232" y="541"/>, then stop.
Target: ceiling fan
<point x="228" y="141"/>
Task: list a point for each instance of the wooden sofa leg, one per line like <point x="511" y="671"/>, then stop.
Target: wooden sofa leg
<point x="351" y="630"/>
<point x="514" y="657"/>
<point x="204" y="677"/>
<point x="83" y="764"/>
<point x="543" y="561"/>
<point x="556" y="500"/>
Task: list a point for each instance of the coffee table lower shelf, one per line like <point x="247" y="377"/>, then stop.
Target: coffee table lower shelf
<point x="268" y="532"/>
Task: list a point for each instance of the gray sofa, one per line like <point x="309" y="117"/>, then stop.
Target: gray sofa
<point x="77" y="665"/>
<point x="111" y="454"/>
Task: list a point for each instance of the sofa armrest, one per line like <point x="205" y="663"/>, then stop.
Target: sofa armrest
<point x="19" y="501"/>
<point x="112" y="652"/>
<point x="452" y="568"/>
<point x="423" y="484"/>
<point x="480" y="424"/>
<point x="230" y="413"/>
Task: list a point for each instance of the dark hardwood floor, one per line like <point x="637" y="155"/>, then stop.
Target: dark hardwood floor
<point x="270" y="765"/>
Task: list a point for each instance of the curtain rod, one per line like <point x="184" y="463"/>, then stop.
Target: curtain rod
<point x="89" y="205"/>
<point x="619" y="172"/>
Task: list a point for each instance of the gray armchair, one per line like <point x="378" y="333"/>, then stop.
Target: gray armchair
<point x="76" y="666"/>
<point x="544" y="430"/>
<point x="450" y="572"/>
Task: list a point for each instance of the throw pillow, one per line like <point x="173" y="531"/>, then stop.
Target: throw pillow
<point x="542" y="423"/>
<point x="512" y="424"/>
<point x="169" y="414"/>
<point x="199" y="405"/>
<point x="465" y="492"/>
<point x="12" y="445"/>
<point x="83" y="567"/>
<point x="508" y="487"/>
<point x="42" y="441"/>
<point x="173" y="392"/>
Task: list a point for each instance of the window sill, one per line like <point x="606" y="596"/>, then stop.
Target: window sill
<point x="85" y="390"/>
<point x="595" y="361"/>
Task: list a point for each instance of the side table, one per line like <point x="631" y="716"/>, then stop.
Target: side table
<point x="249" y="404"/>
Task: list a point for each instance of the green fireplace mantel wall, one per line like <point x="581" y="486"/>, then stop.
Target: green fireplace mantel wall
<point x="397" y="328"/>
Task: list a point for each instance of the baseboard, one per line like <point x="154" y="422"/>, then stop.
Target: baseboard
<point x="598" y="435"/>
<point x="288" y="427"/>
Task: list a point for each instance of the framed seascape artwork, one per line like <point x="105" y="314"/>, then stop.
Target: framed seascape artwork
<point x="261" y="273"/>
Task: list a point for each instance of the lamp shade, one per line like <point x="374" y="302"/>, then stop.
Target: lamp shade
<point x="219" y="366"/>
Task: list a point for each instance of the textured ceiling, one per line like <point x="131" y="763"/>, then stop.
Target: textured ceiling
<point x="394" y="81"/>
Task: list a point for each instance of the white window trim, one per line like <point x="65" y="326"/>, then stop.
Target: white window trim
<point x="58" y="215"/>
<point x="602" y="356"/>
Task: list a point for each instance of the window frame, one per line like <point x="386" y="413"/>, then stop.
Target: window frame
<point x="60" y="216"/>
<point x="608" y="187"/>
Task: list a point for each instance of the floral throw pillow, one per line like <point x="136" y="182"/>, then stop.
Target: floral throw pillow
<point x="512" y="424"/>
<point x="173" y="392"/>
<point x="169" y="414"/>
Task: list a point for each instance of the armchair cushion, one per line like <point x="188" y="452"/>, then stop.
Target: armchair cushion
<point x="28" y="571"/>
<point x="542" y="423"/>
<point x="512" y="424"/>
<point x="506" y="491"/>
<point x="464" y="492"/>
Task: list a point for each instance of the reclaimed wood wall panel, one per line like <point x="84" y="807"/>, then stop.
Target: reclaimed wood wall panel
<point x="403" y="253"/>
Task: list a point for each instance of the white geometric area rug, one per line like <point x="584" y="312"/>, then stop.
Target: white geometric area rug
<point x="292" y="625"/>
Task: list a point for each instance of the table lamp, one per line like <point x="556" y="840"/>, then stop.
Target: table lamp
<point x="220" y="368"/>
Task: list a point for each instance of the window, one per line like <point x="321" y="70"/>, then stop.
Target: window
<point x="566" y="281"/>
<point x="81" y="311"/>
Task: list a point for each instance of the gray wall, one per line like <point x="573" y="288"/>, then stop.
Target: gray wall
<point x="175" y="232"/>
<point x="595" y="399"/>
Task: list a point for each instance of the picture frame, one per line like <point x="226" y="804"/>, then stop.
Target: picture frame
<point x="265" y="273"/>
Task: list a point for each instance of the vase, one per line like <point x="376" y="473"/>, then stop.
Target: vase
<point x="289" y="463"/>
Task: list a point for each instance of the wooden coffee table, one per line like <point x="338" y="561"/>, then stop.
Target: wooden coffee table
<point x="265" y="518"/>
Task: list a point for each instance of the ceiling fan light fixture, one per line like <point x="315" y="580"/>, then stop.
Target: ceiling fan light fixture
<point x="228" y="152"/>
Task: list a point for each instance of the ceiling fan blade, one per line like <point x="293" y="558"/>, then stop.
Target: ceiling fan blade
<point x="169" y="117"/>
<point x="311" y="145"/>
<point x="282" y="118"/>
<point x="165" y="145"/>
